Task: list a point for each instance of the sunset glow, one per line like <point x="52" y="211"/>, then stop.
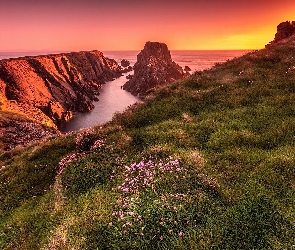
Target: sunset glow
<point x="126" y="25"/>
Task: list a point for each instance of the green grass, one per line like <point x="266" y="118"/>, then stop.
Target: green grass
<point x="233" y="185"/>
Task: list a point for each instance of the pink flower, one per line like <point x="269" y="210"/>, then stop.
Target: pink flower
<point x="180" y="234"/>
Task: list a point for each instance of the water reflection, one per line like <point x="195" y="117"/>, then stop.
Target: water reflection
<point x="112" y="99"/>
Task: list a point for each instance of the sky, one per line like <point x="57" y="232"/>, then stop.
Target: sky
<point x="75" y="25"/>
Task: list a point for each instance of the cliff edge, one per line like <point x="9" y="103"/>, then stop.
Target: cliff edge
<point x="154" y="66"/>
<point x="48" y="89"/>
<point x="284" y="30"/>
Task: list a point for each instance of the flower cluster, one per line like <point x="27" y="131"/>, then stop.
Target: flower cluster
<point x="97" y="144"/>
<point x="66" y="160"/>
<point x="134" y="214"/>
<point x="87" y="140"/>
<point x="84" y="144"/>
<point x="143" y="174"/>
<point x="290" y="69"/>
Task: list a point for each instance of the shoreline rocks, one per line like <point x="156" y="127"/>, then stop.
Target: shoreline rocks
<point x="55" y="86"/>
<point x="126" y="67"/>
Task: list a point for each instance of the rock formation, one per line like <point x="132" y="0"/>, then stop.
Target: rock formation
<point x="20" y="131"/>
<point x="154" y="66"/>
<point x="125" y="63"/>
<point x="187" y="69"/>
<point x="284" y="30"/>
<point x="50" y="88"/>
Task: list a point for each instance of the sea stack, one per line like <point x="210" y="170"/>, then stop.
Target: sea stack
<point x="154" y="67"/>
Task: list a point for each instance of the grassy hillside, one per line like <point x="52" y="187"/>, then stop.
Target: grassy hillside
<point x="205" y="163"/>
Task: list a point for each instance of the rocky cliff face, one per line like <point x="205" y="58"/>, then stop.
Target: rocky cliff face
<point x="284" y="30"/>
<point x="17" y="130"/>
<point x="154" y="66"/>
<point x="50" y="88"/>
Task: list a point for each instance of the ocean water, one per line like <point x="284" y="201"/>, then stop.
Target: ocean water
<point x="195" y="59"/>
<point x="113" y="99"/>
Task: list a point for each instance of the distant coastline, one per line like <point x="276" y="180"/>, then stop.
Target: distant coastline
<point x="17" y="54"/>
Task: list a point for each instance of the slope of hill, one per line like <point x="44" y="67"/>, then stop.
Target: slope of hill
<point x="203" y="163"/>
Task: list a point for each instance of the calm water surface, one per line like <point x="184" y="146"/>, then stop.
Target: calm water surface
<point x="113" y="99"/>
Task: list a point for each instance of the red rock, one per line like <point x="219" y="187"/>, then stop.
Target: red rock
<point x="125" y="63"/>
<point x="50" y="88"/>
<point x="154" y="66"/>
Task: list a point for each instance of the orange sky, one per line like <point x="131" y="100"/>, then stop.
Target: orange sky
<point x="72" y="25"/>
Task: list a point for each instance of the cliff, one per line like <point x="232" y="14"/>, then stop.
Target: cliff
<point x="284" y="30"/>
<point x="154" y="66"/>
<point x="50" y="88"/>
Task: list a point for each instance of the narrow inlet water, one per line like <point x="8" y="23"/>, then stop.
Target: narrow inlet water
<point x="112" y="99"/>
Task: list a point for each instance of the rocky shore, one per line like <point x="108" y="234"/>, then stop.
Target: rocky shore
<point x="51" y="88"/>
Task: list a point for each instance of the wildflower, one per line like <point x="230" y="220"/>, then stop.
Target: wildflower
<point x="128" y="223"/>
<point x="180" y="234"/>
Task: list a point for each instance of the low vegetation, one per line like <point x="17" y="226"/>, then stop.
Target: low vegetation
<point x="205" y="163"/>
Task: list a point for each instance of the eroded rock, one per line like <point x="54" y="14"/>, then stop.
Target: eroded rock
<point x="55" y="85"/>
<point x="284" y="30"/>
<point x="154" y="67"/>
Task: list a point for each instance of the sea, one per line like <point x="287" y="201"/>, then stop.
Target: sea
<point x="113" y="98"/>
